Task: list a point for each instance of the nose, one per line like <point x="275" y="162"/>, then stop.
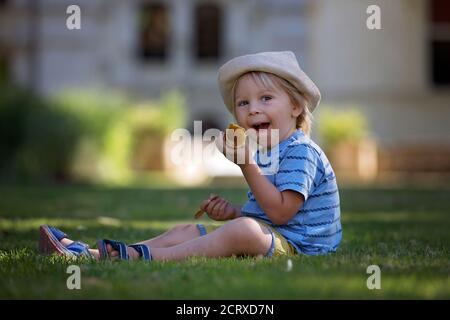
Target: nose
<point x="254" y="108"/>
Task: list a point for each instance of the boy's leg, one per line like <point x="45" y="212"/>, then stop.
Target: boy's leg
<point x="174" y="236"/>
<point x="178" y="234"/>
<point x="242" y="236"/>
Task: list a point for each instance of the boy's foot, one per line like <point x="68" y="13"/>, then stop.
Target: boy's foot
<point x="132" y="253"/>
<point x="114" y="249"/>
<point x="53" y="240"/>
<point x="66" y="242"/>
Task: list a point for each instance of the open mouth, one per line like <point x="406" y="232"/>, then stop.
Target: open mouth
<point x="261" y="126"/>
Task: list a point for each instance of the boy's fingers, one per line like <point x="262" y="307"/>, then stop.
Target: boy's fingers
<point x="204" y="204"/>
<point x="216" y="208"/>
<point x="208" y="206"/>
<point x="222" y="208"/>
<point x="216" y="211"/>
<point x="212" y="208"/>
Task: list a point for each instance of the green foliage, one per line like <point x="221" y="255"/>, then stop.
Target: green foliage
<point x="93" y="111"/>
<point x="35" y="139"/>
<point x="337" y="126"/>
<point x="160" y="118"/>
<point x="50" y="136"/>
<point x="173" y="111"/>
<point x="79" y="135"/>
<point x="15" y="104"/>
<point x="102" y="151"/>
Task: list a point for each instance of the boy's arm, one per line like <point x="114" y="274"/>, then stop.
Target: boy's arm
<point x="280" y="207"/>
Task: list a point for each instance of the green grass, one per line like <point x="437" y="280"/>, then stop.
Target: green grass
<point x="404" y="231"/>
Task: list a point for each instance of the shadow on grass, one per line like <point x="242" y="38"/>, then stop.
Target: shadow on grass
<point x="405" y="232"/>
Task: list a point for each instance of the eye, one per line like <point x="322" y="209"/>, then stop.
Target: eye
<point x="266" y="98"/>
<point x="242" y="103"/>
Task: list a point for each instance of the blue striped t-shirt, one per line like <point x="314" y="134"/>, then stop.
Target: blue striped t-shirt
<point x="304" y="168"/>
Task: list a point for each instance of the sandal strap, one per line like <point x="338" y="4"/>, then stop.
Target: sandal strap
<point x="143" y="250"/>
<point x="117" y="245"/>
<point x="79" y="249"/>
<point x="58" y="234"/>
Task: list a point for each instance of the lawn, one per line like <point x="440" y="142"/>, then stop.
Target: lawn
<point x="403" y="231"/>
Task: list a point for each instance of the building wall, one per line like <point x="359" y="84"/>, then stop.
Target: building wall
<point x="383" y="72"/>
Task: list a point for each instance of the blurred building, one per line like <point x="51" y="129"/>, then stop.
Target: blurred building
<point x="399" y="76"/>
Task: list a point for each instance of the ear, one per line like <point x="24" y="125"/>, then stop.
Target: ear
<point x="296" y="110"/>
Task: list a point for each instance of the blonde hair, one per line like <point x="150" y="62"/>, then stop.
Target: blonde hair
<point x="270" y="81"/>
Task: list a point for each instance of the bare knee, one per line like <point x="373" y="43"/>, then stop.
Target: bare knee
<point x="248" y="234"/>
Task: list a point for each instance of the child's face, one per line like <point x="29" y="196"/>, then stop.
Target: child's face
<point x="264" y="109"/>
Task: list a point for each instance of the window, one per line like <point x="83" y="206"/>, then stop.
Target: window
<point x="208" y="22"/>
<point x="154" y="29"/>
<point x="440" y="42"/>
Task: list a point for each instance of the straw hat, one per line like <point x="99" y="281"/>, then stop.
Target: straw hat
<point x="281" y="63"/>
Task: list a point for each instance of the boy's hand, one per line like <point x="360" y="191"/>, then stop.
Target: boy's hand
<point x="237" y="153"/>
<point x="218" y="208"/>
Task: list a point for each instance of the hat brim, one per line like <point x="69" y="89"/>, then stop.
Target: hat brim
<point x="282" y="64"/>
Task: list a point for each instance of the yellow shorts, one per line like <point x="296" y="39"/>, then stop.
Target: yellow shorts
<point x="280" y="246"/>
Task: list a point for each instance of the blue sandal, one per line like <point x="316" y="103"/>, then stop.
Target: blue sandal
<point x="142" y="249"/>
<point x="50" y="242"/>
